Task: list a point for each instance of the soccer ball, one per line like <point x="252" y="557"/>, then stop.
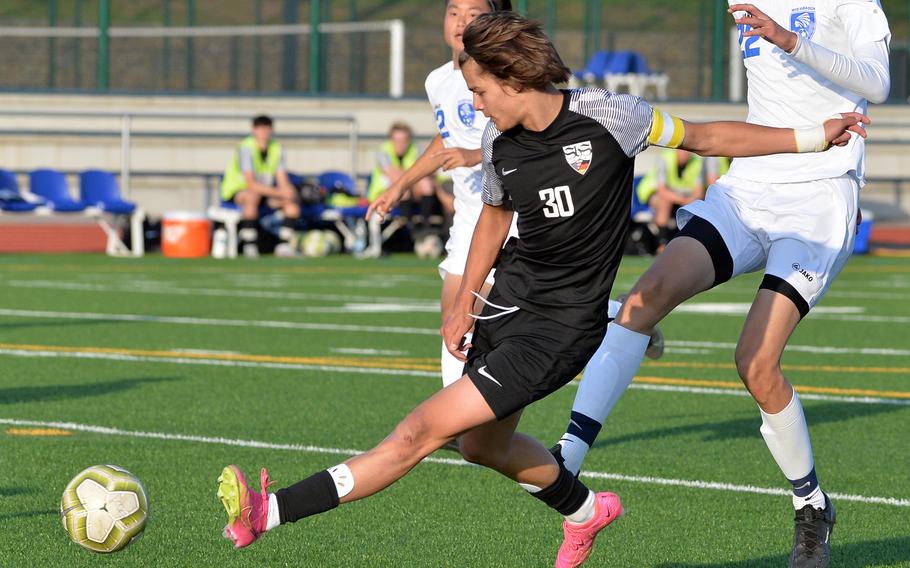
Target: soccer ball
<point x="315" y="244"/>
<point x="104" y="508"/>
<point x="334" y="241"/>
<point x="428" y="246"/>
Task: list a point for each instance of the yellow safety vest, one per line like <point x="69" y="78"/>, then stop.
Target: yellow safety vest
<point x="234" y="180"/>
<point x="378" y="182"/>
<point x="689" y="179"/>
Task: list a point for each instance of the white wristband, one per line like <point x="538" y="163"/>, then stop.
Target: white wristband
<point x="811" y="139"/>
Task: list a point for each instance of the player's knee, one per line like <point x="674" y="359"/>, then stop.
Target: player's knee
<point x="411" y="437"/>
<point x="760" y="372"/>
<point x="648" y="297"/>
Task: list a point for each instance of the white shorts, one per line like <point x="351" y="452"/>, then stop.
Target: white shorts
<point x="800" y="233"/>
<point x="459" y="244"/>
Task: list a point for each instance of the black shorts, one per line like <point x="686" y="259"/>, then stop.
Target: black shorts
<point x="520" y="358"/>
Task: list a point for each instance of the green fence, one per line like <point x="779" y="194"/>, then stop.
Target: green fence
<point x="687" y="39"/>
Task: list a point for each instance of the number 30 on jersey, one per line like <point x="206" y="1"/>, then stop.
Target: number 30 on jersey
<point x="557" y="202"/>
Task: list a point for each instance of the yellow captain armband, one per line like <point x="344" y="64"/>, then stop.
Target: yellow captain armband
<point x="666" y="130"/>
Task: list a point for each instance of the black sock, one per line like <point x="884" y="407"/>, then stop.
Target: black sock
<point x="249" y="231"/>
<point x="566" y="495"/>
<point x="288" y="228"/>
<point x="315" y="494"/>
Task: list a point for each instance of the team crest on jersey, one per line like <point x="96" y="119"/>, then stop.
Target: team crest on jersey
<point x="466" y="113"/>
<point x="579" y="156"/>
<point x="802" y="22"/>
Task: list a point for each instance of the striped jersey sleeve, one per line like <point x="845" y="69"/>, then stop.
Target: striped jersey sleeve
<point x="626" y="117"/>
<point x="493" y="192"/>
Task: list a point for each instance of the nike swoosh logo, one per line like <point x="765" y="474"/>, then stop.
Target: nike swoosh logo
<point x="506" y="172"/>
<point x="483" y="371"/>
<point x="574" y="423"/>
<point x="804" y="485"/>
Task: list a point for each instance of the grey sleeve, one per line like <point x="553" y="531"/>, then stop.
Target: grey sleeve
<point x="626" y="117"/>
<point x="493" y="192"/>
<point x="245" y="159"/>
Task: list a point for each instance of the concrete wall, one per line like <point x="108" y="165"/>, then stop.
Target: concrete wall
<point x="194" y="147"/>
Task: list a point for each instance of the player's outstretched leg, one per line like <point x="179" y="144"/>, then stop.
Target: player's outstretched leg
<point x="684" y="269"/>
<point x="771" y="320"/>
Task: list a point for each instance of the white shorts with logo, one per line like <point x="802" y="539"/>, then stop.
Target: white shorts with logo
<point x="800" y="233"/>
<point x="459" y="244"/>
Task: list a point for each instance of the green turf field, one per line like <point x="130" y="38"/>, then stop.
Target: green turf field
<point x="173" y="369"/>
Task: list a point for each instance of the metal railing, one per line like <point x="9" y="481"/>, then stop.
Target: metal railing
<point x="127" y="130"/>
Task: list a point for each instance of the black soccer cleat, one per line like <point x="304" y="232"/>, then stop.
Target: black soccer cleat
<point x="812" y="536"/>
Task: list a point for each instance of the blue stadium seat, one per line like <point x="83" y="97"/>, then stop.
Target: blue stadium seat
<point x="339" y="182"/>
<point x="11" y="197"/>
<point x="52" y="186"/>
<point x="99" y="189"/>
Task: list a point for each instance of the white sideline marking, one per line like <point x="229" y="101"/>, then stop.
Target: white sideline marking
<point x="180" y="320"/>
<point x="742" y="308"/>
<point x="816" y="349"/>
<point x="403" y="372"/>
<point x="382" y="308"/>
<point x="154" y="288"/>
<point x="691" y="484"/>
<point x="359" y="351"/>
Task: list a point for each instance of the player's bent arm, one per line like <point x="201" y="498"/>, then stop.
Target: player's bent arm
<point x="253" y="185"/>
<point x="739" y="139"/>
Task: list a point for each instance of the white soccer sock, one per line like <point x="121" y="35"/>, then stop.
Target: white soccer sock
<point x="787" y="436"/>
<point x="585" y="513"/>
<point x="274" y="518"/>
<point x="606" y="377"/>
<point x="452" y="368"/>
<point x="613" y="309"/>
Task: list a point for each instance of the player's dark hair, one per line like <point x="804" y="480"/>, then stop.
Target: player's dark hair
<point x="262" y="120"/>
<point x="495" y="5"/>
<point x="515" y="50"/>
<point x="401" y="127"/>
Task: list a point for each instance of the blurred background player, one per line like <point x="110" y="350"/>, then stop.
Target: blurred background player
<point x="257" y="173"/>
<point x="678" y="178"/>
<point x="393" y="158"/>
<point x="793" y="215"/>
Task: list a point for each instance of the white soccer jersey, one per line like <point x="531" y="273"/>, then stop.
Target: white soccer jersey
<point x="460" y="127"/>
<point x="786" y="93"/>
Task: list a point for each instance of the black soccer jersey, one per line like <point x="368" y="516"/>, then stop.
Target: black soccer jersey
<point x="571" y="186"/>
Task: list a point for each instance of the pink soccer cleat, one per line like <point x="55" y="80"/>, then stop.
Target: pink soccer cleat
<point x="579" y="539"/>
<point x="248" y="512"/>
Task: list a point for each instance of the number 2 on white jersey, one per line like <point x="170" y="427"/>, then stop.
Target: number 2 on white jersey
<point x="557" y="202"/>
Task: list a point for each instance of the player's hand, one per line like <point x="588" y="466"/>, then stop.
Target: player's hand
<point x="859" y="219"/>
<point x="763" y="26"/>
<point x="457" y="158"/>
<point x="838" y="130"/>
<point x="453" y="332"/>
<point x="384" y="204"/>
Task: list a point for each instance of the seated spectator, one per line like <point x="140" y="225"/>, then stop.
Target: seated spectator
<point x="257" y="174"/>
<point x="678" y="178"/>
<point x="393" y="158"/>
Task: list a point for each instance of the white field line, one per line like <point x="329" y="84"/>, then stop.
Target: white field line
<point x="697" y="309"/>
<point x="359" y="351"/>
<point x="180" y="320"/>
<point x="814" y="349"/>
<point x="691" y="484"/>
<point x="398" y="372"/>
<point x="183" y="320"/>
<point x="154" y="288"/>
